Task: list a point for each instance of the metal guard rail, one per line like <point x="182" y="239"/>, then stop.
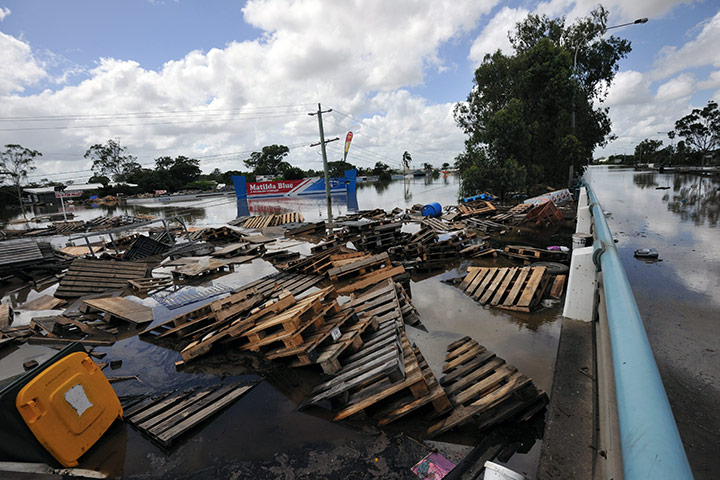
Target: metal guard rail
<point x="651" y="444"/>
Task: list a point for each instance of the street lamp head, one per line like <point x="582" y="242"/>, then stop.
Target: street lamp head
<point x="641" y="20"/>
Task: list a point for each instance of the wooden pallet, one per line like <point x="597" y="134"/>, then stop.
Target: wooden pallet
<point x="201" y="269"/>
<point x="514" y="214"/>
<point x="477" y="208"/>
<point x="95" y="276"/>
<point x="372" y="392"/>
<point x="273" y="220"/>
<point x="294" y="326"/>
<point x="437" y="225"/>
<point x="317" y="229"/>
<point x="144" y="285"/>
<point x="380" y="358"/>
<point x="43" y="302"/>
<point x="164" y="418"/>
<point x="479" y="384"/>
<point x="532" y="254"/>
<point x="118" y="308"/>
<point x="350" y="341"/>
<point x="408" y="403"/>
<point x="509" y="288"/>
<point x="359" y="267"/>
<point x="558" y="286"/>
<point x="381" y="302"/>
<point x="372" y="278"/>
<point x="6" y="316"/>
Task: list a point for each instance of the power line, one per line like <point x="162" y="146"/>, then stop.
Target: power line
<point x="160" y="112"/>
<point x="67" y="127"/>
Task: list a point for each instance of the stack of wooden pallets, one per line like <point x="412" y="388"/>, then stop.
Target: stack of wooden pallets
<point x="378" y="237"/>
<point x="510" y="288"/>
<point x="481" y="387"/>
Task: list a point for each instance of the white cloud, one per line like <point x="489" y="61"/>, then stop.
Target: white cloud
<point x="20" y="67"/>
<point x="713" y="81"/>
<point x="495" y="34"/>
<point x="698" y="52"/>
<point x="4" y="12"/>
<point x="620" y="10"/>
<point x="357" y="58"/>
<point x="678" y="87"/>
<point x="629" y="87"/>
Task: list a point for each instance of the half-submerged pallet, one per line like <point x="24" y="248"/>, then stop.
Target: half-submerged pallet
<point x="483" y="388"/>
<point x="358" y="267"/>
<point x="165" y="417"/>
<point x="95" y="276"/>
<point x="510" y="288"/>
<point x="118" y="308"/>
<point x="386" y="367"/>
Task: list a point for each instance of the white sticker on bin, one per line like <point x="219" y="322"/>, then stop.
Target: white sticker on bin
<point x="77" y="399"/>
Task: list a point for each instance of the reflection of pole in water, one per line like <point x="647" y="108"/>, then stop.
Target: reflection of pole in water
<point x="406" y="189"/>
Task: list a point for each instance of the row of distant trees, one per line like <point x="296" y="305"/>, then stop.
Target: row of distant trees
<point x="111" y="162"/>
<point x="698" y="135"/>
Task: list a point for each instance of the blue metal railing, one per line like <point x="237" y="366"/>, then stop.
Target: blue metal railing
<point x="651" y="445"/>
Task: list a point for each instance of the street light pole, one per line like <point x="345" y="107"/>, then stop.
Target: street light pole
<point x="577" y="48"/>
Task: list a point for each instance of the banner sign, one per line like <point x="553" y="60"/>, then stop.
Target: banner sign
<point x="348" y="139"/>
<point x="290" y="188"/>
<point x="68" y="194"/>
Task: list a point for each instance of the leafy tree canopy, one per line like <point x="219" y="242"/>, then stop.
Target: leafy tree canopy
<point x="337" y="169"/>
<point x="16" y="162"/>
<point x="700" y="129"/>
<point x="519" y="110"/>
<point x="111" y="160"/>
<point x="269" y="161"/>
<point x="646" y="150"/>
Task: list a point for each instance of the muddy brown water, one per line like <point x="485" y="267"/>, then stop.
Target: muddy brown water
<point x="263" y="435"/>
<point x="679" y="296"/>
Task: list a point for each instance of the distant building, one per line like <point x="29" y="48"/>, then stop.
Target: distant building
<point x="47" y="194"/>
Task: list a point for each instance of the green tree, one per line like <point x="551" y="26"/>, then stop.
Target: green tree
<point x="178" y="172"/>
<point x="427" y="167"/>
<point x="337" y="169"/>
<point x="111" y="160"/>
<point x="519" y="110"/>
<point x="269" y="161"/>
<point x="383" y="172"/>
<point x="700" y="129"/>
<point x="445" y="166"/>
<point x="293" y="173"/>
<point x="16" y="162"/>
<point x="647" y="150"/>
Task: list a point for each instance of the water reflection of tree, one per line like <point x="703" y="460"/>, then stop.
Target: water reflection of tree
<point x="695" y="198"/>
<point x="380" y="187"/>
<point x="645" y="179"/>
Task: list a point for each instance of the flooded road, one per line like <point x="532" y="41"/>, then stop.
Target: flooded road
<point x="263" y="435"/>
<point x="679" y="296"/>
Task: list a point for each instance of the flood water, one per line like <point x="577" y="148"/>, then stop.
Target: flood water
<point x="678" y="296"/>
<point x="262" y="435"/>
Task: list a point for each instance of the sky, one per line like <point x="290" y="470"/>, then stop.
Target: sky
<point x="219" y="79"/>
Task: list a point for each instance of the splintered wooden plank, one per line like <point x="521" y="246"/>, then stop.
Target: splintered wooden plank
<point x="532" y="285"/>
<point x="122" y="308"/>
<point x="503" y="286"/>
<point x="493" y="286"/>
<point x="517" y="287"/>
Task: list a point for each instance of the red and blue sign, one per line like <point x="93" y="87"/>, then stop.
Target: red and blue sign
<point x="291" y="188"/>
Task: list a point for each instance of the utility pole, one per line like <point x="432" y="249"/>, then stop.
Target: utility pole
<point x="324" y="156"/>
